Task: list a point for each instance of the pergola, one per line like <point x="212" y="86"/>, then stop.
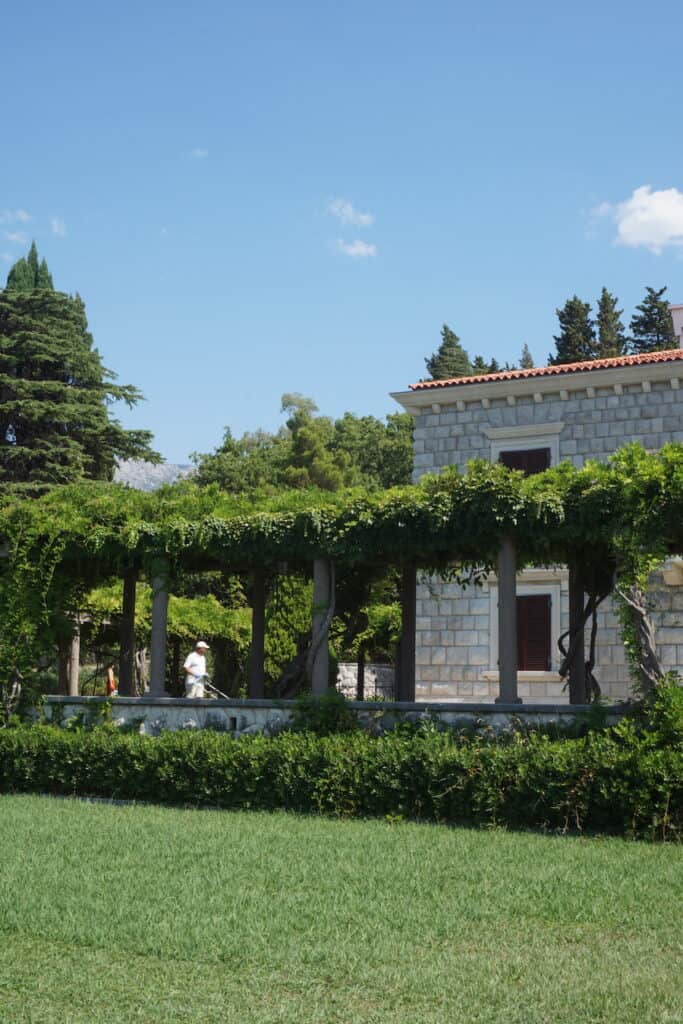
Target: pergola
<point x="489" y="519"/>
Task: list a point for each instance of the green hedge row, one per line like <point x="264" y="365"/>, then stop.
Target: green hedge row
<point x="612" y="782"/>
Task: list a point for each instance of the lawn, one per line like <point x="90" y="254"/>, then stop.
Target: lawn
<point x="111" y="914"/>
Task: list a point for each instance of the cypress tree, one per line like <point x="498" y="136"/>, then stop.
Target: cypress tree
<point x="611" y="336"/>
<point x="526" y="362"/>
<point x="450" y="359"/>
<point x="28" y="274"/>
<point x="55" y="425"/>
<point x="576" y="340"/>
<point x="652" y="328"/>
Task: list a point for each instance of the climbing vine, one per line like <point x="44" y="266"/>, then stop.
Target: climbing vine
<point x="60" y="544"/>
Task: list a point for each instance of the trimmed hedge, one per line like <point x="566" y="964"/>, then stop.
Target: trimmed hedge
<point x="614" y="782"/>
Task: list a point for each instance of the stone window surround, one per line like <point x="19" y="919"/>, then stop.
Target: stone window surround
<point x="534" y="582"/>
<point x="524" y="438"/>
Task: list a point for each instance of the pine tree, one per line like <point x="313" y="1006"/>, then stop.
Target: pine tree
<point x="653" y="329"/>
<point x="55" y="425"/>
<point x="526" y="362"/>
<point x="576" y="340"/>
<point x="28" y="274"/>
<point x="494" y="366"/>
<point x="611" y="336"/>
<point x="450" y="360"/>
<point x="479" y="365"/>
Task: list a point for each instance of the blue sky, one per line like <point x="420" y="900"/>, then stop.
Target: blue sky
<point x="266" y="197"/>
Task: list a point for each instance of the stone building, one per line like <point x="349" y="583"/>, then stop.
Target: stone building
<point x="532" y="419"/>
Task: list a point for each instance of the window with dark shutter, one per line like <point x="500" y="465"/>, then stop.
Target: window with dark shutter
<point x="533" y="633"/>
<point x="530" y="461"/>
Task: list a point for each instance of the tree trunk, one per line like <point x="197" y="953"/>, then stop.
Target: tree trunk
<point x="650" y="670"/>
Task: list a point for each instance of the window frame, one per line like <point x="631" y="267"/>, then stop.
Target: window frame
<point x="525" y="438"/>
<point x="553" y="590"/>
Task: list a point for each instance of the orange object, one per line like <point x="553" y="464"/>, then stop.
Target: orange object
<point x="111" y="681"/>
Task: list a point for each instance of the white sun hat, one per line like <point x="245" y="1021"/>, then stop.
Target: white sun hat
<point x="202" y="643"/>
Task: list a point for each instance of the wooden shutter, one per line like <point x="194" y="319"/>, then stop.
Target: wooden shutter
<point x="533" y="633"/>
<point x="530" y="461"/>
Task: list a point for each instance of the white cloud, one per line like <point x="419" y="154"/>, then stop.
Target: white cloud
<point x="17" y="236"/>
<point x="346" y="213"/>
<point x="357" y="249"/>
<point x="58" y="226"/>
<point x="199" y="154"/>
<point x="649" y="219"/>
<point x="14" y="216"/>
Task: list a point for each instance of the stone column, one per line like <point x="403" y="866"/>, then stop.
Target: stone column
<point x="507" y="623"/>
<point x="127" y="636"/>
<point x="322" y="596"/>
<point x="157" y="680"/>
<point x="577" y="636"/>
<point x="405" y="668"/>
<point x="75" y="661"/>
<point x="256" y="685"/>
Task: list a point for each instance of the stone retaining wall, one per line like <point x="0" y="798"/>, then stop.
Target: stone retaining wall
<point x="151" y="716"/>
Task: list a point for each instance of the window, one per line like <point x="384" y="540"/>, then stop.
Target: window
<point x="537" y="437"/>
<point x="529" y="460"/>
<point x="533" y="633"/>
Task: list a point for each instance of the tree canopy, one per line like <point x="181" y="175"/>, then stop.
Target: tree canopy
<point x="450" y="359"/>
<point x="55" y="393"/>
<point x="652" y="328"/>
<point x="29" y="273"/>
<point x="313" y="451"/>
<point x="611" y="339"/>
<point x="576" y="340"/>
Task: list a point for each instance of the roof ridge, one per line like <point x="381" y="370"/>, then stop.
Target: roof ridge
<point x="613" y="362"/>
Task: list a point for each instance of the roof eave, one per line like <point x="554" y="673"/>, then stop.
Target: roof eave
<point x="450" y="394"/>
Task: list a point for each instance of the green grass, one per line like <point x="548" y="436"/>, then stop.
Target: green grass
<point x="111" y="914"/>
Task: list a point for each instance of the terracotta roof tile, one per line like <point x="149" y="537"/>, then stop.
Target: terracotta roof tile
<point x="669" y="356"/>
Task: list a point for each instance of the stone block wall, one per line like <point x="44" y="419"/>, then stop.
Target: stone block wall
<point x="379" y="680"/>
<point x="593" y="427"/>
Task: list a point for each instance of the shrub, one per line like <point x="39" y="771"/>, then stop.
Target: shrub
<point x="663" y="711"/>
<point x="324" y="714"/>
<point x="616" y="782"/>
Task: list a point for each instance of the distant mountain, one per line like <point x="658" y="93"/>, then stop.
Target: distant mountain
<point x="145" y="476"/>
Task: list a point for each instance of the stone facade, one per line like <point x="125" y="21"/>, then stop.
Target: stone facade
<point x="577" y="416"/>
<point x="379" y="680"/>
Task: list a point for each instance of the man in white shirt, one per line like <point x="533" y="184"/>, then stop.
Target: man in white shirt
<point x="195" y="670"/>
